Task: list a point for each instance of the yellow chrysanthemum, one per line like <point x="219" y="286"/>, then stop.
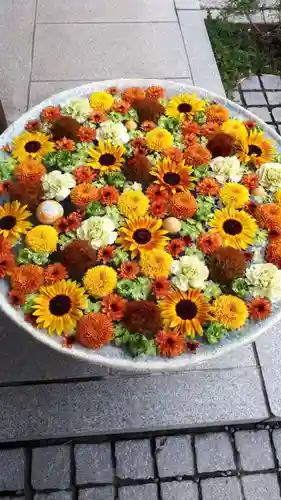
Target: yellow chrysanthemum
<point x="256" y="149"/>
<point x="229" y="311"/>
<point x="277" y="197"/>
<point x="133" y="203"/>
<point x="42" y="239"/>
<point x="236" y="129"/>
<point x="13" y="221"/>
<point x="31" y="144"/>
<point x="185" y="312"/>
<point x="58" y="307"/>
<point x="106" y="157"/>
<point x="185" y="106"/>
<point x="236" y="229"/>
<point x="173" y="177"/>
<point x="159" y="139"/>
<point x="101" y="101"/>
<point x="234" y="195"/>
<point x="142" y="234"/>
<point x="99" y="281"/>
<point x="156" y="264"/>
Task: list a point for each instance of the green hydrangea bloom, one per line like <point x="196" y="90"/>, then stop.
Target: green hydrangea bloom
<point x="113" y="213"/>
<point x="205" y="205"/>
<point x="201" y="172"/>
<point x="59" y="160"/>
<point x="192" y="228"/>
<point x="116" y="179"/>
<point x="214" y="333"/>
<point x="27" y="256"/>
<point x="241" y="288"/>
<point x="137" y="289"/>
<point x="200" y="118"/>
<point x="136" y="343"/>
<point x="66" y="238"/>
<point x="100" y="182"/>
<point x="133" y="115"/>
<point x="95" y="208"/>
<point x="260" y="237"/>
<point x="169" y="123"/>
<point x="212" y="290"/>
<point x="27" y="307"/>
<point x="93" y="306"/>
<point x="7" y="168"/>
<point x="119" y="256"/>
<point x="193" y="250"/>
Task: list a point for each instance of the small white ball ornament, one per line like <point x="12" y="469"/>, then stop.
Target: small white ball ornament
<point x="49" y="211"/>
<point x="258" y="191"/>
<point x="172" y="225"/>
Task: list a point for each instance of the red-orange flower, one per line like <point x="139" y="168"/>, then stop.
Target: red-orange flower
<point x="54" y="272"/>
<point x="30" y="170"/>
<point x="190" y="127"/>
<point x="170" y="344"/>
<point x="250" y="181"/>
<point x="50" y="113"/>
<point x="97" y="116"/>
<point x="84" y="174"/>
<point x="209" y="129"/>
<point x="121" y="107"/>
<point x="187" y="240"/>
<point x="129" y="270"/>
<point x="113" y="90"/>
<point x="273" y="251"/>
<point x="83" y="194"/>
<point x="94" y="330"/>
<point x="268" y="216"/>
<point x="105" y="253"/>
<point x="161" y="287"/>
<point x="190" y="140"/>
<point x="30" y="319"/>
<point x="176" y="247"/>
<point x="209" y="242"/>
<point x="32" y="126"/>
<point x="16" y="299"/>
<point x="73" y="221"/>
<point x="250" y="124"/>
<point x="67" y="144"/>
<point x="174" y="154"/>
<point x="158" y="208"/>
<point x="7" y="264"/>
<point x="250" y="207"/>
<point x="259" y="308"/>
<point x="113" y="306"/>
<point x="108" y="195"/>
<point x="27" y="278"/>
<point x="183" y="205"/>
<point x="132" y="94"/>
<point x="5" y="245"/>
<point x="197" y="155"/>
<point x="208" y="187"/>
<point x="155" y="92"/>
<point x="154" y="193"/>
<point x="86" y="134"/>
<point x="61" y="225"/>
<point x="192" y="346"/>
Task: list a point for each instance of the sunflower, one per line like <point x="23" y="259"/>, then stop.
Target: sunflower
<point x="234" y="195"/>
<point x="236" y="229"/>
<point x="185" y="312"/>
<point x="184" y="106"/>
<point x="229" y="311"/>
<point x="142" y="234"/>
<point x="13" y="221"/>
<point x="256" y="149"/>
<point x="173" y="177"/>
<point x="106" y="157"/>
<point x="58" y="307"/>
<point x="34" y="144"/>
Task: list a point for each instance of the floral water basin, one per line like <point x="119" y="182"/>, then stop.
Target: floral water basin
<point x="140" y="224"/>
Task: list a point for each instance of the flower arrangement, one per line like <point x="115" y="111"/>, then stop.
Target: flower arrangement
<point x="148" y="222"/>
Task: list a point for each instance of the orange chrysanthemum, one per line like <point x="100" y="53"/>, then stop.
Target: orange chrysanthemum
<point x="268" y="216"/>
<point x="170" y="344"/>
<point x="7" y="264"/>
<point x="97" y="116"/>
<point x="16" y="299"/>
<point x="5" y="245"/>
<point x="108" y="195"/>
<point x="259" y="308"/>
<point x="84" y="174"/>
<point x="113" y="306"/>
<point x="148" y="125"/>
<point x="209" y="242"/>
<point x="121" y="107"/>
<point x="154" y="193"/>
<point x="197" y="155"/>
<point x="132" y="94"/>
<point x="158" y="208"/>
<point x="67" y="144"/>
<point x="129" y="270"/>
<point x="155" y="92"/>
<point x="32" y="126"/>
<point x="183" y="205"/>
<point x="217" y="113"/>
<point x="30" y="170"/>
<point x="50" y="113"/>
<point x="190" y="140"/>
<point x="174" y="154"/>
<point x="27" y="278"/>
<point x="250" y="181"/>
<point x="53" y="273"/>
<point x="208" y="187"/>
<point x="105" y="253"/>
<point x="209" y="129"/>
<point x="86" y="134"/>
<point x="190" y="127"/>
<point x="176" y="247"/>
<point x="83" y="194"/>
<point x="161" y="287"/>
<point x="94" y="330"/>
<point x="273" y="251"/>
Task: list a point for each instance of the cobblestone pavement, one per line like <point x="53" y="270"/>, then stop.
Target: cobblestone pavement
<point x="223" y="463"/>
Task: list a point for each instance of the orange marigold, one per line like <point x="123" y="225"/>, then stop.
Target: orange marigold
<point x="108" y="195"/>
<point x="208" y="187"/>
<point x="97" y="116"/>
<point x="209" y="129"/>
<point x="129" y="270"/>
<point x="5" y="245"/>
<point x="183" y="205"/>
<point x="84" y="174"/>
<point x="54" y="272"/>
<point x="161" y="287"/>
<point x="174" y="154"/>
<point x="268" y="216"/>
<point x="121" y="107"/>
<point x="155" y="92"/>
<point x="170" y="344"/>
<point x="190" y="140"/>
<point x="27" y="278"/>
<point x="16" y="299"/>
<point x="132" y="94"/>
<point x="176" y="247"/>
<point x="113" y="306"/>
<point x="7" y="264"/>
<point x="273" y="251"/>
<point x="86" y="134"/>
<point x="82" y="194"/>
<point x="105" y="253"/>
<point x="259" y="308"/>
<point x="197" y="155"/>
<point x="250" y="181"/>
<point x="30" y="170"/>
<point x="217" y="113"/>
<point x="50" y="113"/>
<point x="209" y="242"/>
<point x="190" y="127"/>
<point x="65" y="143"/>
<point x="94" y="330"/>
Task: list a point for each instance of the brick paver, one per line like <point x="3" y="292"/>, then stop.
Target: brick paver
<point x="93" y="463"/>
<point x="11" y="469"/>
<point x="174" y="456"/>
<point x="214" y="452"/>
<point x="254" y="449"/>
<point x="133" y="459"/>
<point x="51" y="467"/>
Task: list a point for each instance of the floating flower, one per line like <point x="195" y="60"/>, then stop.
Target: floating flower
<point x="264" y="280"/>
<point x="59" y="307"/>
<point x="137" y="169"/>
<point x="158" y="208"/>
<point x="250" y="124"/>
<point x="185" y="313"/>
<point x="273" y="250"/>
<point x="250" y="181"/>
<point x="101" y="101"/>
<point x="54" y="273"/>
<point x="277" y="197"/>
<point x="190" y="272"/>
<point x="83" y="174"/>
<point x="115" y="133"/>
<point x="236" y="229"/>
<point x="208" y="187"/>
<point x="175" y="154"/>
<point x="159" y="139"/>
<point x="28" y="193"/>
<point x="190" y="128"/>
<point x="155" y="92"/>
<point x="183" y="205"/>
<point x="149" y="110"/>
<point x="16" y="299"/>
<point x="133" y="203"/>
<point x="191" y="140"/>
<point x="114" y="306"/>
<point x="234" y="195"/>
<point x="27" y="278"/>
<point x="31" y="144"/>
<point x="221" y="145"/>
<point x="30" y="170"/>
<point x="133" y="94"/>
<point x="155" y="193"/>
<point x="173" y="177"/>
<point x="86" y="134"/>
<point x="268" y="216"/>
<point x="99" y="231"/>
<point x="147" y="125"/>
<point x="197" y="155"/>
<point x="184" y="106"/>
<point x="256" y="149"/>
<point x="7" y="264"/>
<point x="65" y="126"/>
<point x="217" y="113"/>
<point x="65" y="144"/>
<point x="236" y="129"/>
<point x="79" y="109"/>
<point x="122" y="107"/>
<point x="42" y="238"/>
<point x="94" y="330"/>
<point x="129" y="270"/>
<point x="209" y="129"/>
<point x="13" y="221"/>
<point x="100" y="281"/>
<point x="161" y="287"/>
<point x="170" y="344"/>
<point x="269" y="176"/>
<point x="227" y="169"/>
<point x="105" y="254"/>
<point x="227" y="264"/>
<point x="108" y="195"/>
<point x="78" y="257"/>
<point x="97" y="116"/>
<point x="259" y="308"/>
<point x="230" y="311"/>
<point x="31" y="126"/>
<point x="142" y="316"/>
<point x="106" y="157"/>
<point x="156" y="264"/>
<point x="209" y="242"/>
<point x="113" y="90"/>
<point x="74" y="221"/>
<point x="50" y="113"/>
<point x="83" y="194"/>
<point x="176" y="247"/>
<point x="142" y="234"/>
<point x="57" y="185"/>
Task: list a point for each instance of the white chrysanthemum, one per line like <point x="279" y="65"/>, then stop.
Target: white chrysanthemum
<point x="265" y="281"/>
<point x="79" y="109"/>
<point x="57" y="185"/>
<point x="116" y="133"/>
<point x="190" y="272"/>
<point x="132" y="186"/>
<point x="270" y="176"/>
<point x="227" y="169"/>
<point x="99" y="231"/>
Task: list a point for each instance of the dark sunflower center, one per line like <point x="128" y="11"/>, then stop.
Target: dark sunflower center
<point x="186" y="309"/>
<point x="184" y="107"/>
<point x="32" y="147"/>
<point x="142" y="236"/>
<point x="107" y="159"/>
<point x="232" y="227"/>
<point x="172" y="178"/>
<point x="7" y="222"/>
<point x="60" y="305"/>
<point x="254" y="150"/>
